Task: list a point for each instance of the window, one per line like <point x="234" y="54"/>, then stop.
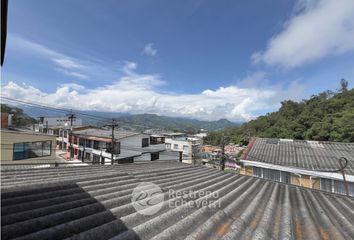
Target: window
<point x="31" y="150"/>
<point x="81" y="142"/>
<point x="257" y="172"/>
<point x="326" y="184"/>
<point x="175" y="146"/>
<point x="338" y="187"/>
<point x="271" y="174"/>
<point x="156" y="140"/>
<point x="155" y="156"/>
<point x="168" y="146"/>
<point x="96" y="159"/>
<point x="96" y="145"/>
<point x="351" y="188"/>
<point x="65" y="134"/>
<point x="185" y="147"/>
<point x="286" y="177"/>
<point x="145" y="142"/>
<point x="88" y="143"/>
<point x="116" y="148"/>
<point x="88" y="156"/>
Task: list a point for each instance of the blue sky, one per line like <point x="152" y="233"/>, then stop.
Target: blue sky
<point x="198" y="59"/>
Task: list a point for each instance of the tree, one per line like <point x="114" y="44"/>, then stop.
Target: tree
<point x="327" y="116"/>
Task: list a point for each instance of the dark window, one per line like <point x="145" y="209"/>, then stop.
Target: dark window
<point x="116" y="148"/>
<point x="65" y="134"/>
<point x="145" y="142"/>
<point x="88" y="156"/>
<point x="257" y="172"/>
<point x="96" y="145"/>
<point x="32" y="150"/>
<point x="155" y="156"/>
<point x="81" y="142"/>
<point x="96" y="159"/>
<point x="88" y="143"/>
<point x="157" y="140"/>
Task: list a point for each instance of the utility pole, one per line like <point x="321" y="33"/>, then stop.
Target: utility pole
<point x="71" y="116"/>
<point x="223" y="152"/>
<point x="113" y="125"/>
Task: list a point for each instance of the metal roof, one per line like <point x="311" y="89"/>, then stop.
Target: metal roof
<point x="310" y="155"/>
<point x="94" y="202"/>
<point x="95" y="132"/>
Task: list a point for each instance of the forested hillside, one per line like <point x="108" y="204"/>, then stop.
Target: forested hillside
<point x="328" y="116"/>
<point x="19" y="118"/>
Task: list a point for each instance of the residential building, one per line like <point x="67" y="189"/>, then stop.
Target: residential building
<point x="53" y="124"/>
<point x="95" y="145"/>
<point x="6" y="120"/>
<point x="189" y="146"/>
<point x="95" y="202"/>
<point x="19" y="147"/>
<point x="312" y="164"/>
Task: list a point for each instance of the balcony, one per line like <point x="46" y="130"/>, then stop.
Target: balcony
<point x="154" y="148"/>
<point x="154" y="140"/>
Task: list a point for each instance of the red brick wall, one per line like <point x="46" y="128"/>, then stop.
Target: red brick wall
<point x="4" y="120"/>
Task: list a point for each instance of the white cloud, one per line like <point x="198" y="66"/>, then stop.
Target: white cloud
<point x="138" y="93"/>
<point x="72" y="73"/>
<point x="67" y="63"/>
<point x="129" y="67"/>
<point x="317" y="29"/>
<point x="149" y="50"/>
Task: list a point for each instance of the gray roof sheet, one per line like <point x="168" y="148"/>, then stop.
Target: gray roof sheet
<point x="94" y="202"/>
<point x="310" y="155"/>
<point x="95" y="132"/>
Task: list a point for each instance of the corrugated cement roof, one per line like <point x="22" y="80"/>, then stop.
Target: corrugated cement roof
<point x="310" y="155"/>
<point x="118" y="134"/>
<point x="94" y="202"/>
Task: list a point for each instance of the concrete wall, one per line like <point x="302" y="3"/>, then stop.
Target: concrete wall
<point x="8" y="138"/>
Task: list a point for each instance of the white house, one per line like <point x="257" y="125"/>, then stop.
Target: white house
<point x="95" y="145"/>
<point x="189" y="146"/>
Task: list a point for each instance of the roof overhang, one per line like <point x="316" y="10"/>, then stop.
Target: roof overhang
<point x="330" y="175"/>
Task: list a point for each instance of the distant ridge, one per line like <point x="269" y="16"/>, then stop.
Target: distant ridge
<point x="142" y="121"/>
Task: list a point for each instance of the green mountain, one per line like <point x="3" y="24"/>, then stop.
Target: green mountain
<point x="328" y="116"/>
<point x="143" y="121"/>
<point x="19" y="118"/>
<point x="127" y="121"/>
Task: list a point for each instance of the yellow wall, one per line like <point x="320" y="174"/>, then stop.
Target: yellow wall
<point x="246" y="171"/>
<point x="8" y="138"/>
<point x="314" y="182"/>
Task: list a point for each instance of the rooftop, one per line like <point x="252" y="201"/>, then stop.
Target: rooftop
<point x="96" y="132"/>
<point x="309" y="155"/>
<point x="94" y="202"/>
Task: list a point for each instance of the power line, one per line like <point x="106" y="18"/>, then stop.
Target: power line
<point x="63" y="110"/>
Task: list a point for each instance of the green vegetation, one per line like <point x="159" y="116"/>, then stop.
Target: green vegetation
<point x="328" y="116"/>
<point x="19" y="118"/>
<point x="172" y="123"/>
